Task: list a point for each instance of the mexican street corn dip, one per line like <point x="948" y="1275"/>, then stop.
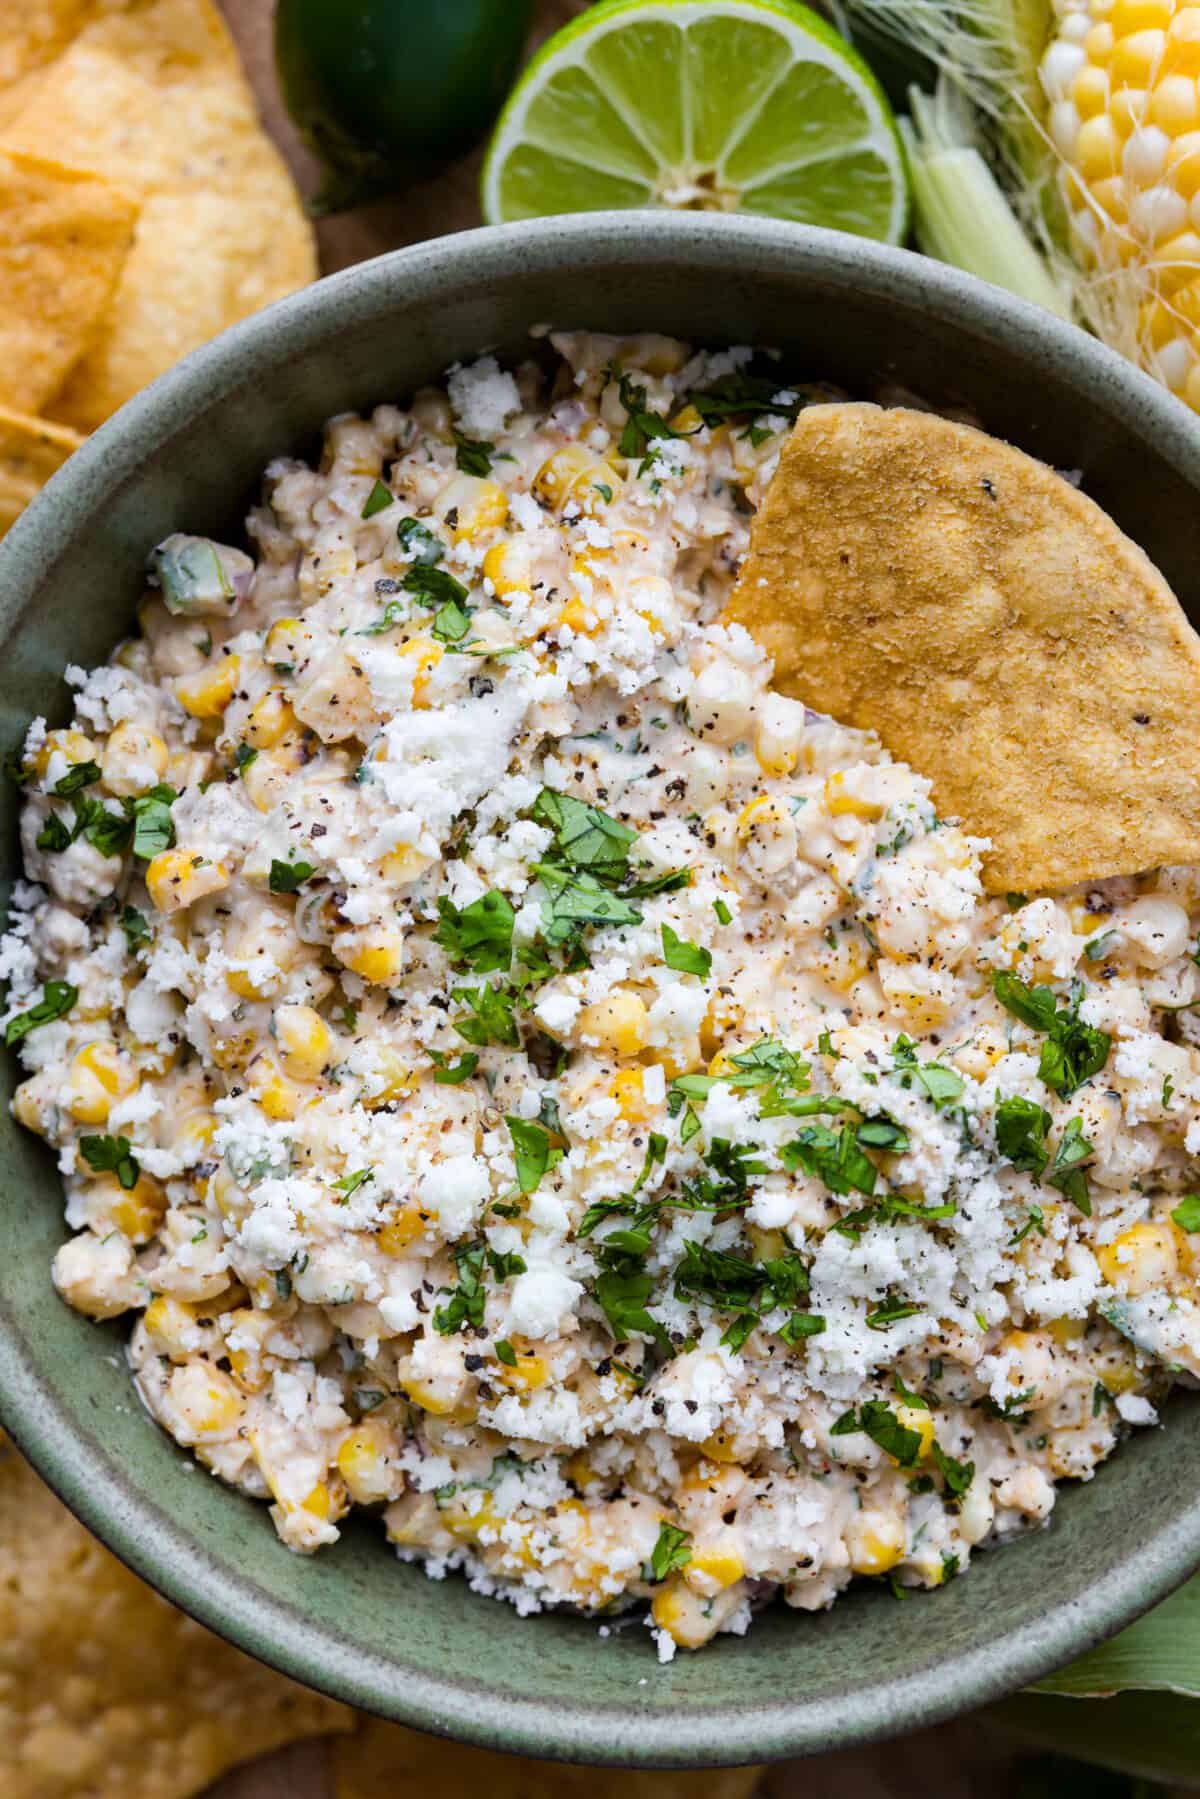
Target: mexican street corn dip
<point x="522" y="1074"/>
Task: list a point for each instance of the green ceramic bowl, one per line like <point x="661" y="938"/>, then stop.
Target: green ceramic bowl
<point x="353" y="1620"/>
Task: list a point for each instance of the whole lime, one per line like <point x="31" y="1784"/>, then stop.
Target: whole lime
<point x="385" y="92"/>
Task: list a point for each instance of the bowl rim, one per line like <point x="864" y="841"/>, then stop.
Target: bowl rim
<point x="139" y="1531"/>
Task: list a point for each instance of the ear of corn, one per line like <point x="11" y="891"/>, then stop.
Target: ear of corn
<point x="1121" y="82"/>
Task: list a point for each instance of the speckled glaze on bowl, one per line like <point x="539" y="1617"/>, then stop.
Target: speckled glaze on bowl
<point x="353" y="1620"/>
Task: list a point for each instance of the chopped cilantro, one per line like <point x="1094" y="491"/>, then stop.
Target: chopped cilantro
<point x="243" y="756"/>
<point x="57" y="999"/>
<point x="802" y="1324"/>
<point x="957" y="1475"/>
<point x="585" y="836"/>
<point x="532" y="1149"/>
<point x="641" y="425"/>
<point x="153" y="830"/>
<point x="378" y="500"/>
<point x="472" y="455"/>
<point x="1021" y="1127"/>
<point x="489" y="1018"/>
<point x="621" y="1296"/>
<point x="673" y="1550"/>
<point x="576" y="900"/>
<point x="505" y="1352"/>
<point x="1187" y="1213"/>
<point x="889" y="1313"/>
<point x="84" y="774"/>
<point x="1073" y="1051"/>
<point x="289" y="877"/>
<point x="685" y="958"/>
<point x="434" y="587"/>
<point x="724" y="915"/>
<point x="478" y="936"/>
<point x="350" y="1183"/>
<point x="393" y="612"/>
<point x="111" y="1155"/>
<point x="418" y="542"/>
<point x="1066" y="1173"/>
<point x="135" y="927"/>
<point x="451" y="622"/>
<point x="466" y="1302"/>
<point x="883" y="1427"/>
<point x="454" y="1074"/>
<point x="833" y="1157"/>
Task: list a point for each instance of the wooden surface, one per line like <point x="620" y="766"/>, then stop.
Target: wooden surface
<point x="960" y="1761"/>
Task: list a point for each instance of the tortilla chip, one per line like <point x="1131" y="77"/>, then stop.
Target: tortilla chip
<point x="997" y="630"/>
<point x="381" y="1761"/>
<point x="32" y="35"/>
<point x="200" y="263"/>
<point x="63" y="238"/>
<point x="30" y="452"/>
<point x="150" y="93"/>
<point x="108" y="1692"/>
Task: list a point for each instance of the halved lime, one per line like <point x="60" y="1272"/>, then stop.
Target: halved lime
<point x="704" y="105"/>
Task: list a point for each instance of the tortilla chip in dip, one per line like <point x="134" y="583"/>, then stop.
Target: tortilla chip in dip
<point x="995" y="627"/>
<point x="64" y="235"/>
<point x="150" y="94"/>
<point x="108" y="1692"/>
<point x="382" y="1761"/>
<point x="31" y="449"/>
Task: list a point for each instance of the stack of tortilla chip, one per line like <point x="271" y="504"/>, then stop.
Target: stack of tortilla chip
<point x="108" y="1692"/>
<point x="142" y="210"/>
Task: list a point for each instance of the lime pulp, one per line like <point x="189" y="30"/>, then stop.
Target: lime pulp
<point x="703" y="105"/>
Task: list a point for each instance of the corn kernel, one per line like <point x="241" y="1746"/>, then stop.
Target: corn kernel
<point x="269" y="719"/>
<point x="1140" y="15"/>
<point x="509" y="567"/>
<point x="138" y="1212"/>
<point x="134" y="758"/>
<point x="579" y="617"/>
<point x="1067" y="1330"/>
<point x="99" y="1075"/>
<point x="1140" y="1258"/>
<point x="1098" y="148"/>
<point x="1181" y="53"/>
<point x="687" y="420"/>
<point x="278" y="1097"/>
<point x="392" y="1075"/>
<point x="715" y="1567"/>
<point x="71" y="745"/>
<point x="405" y="864"/>
<point x="575" y="475"/>
<point x="1136" y="58"/>
<point x="179" y="877"/>
<point x="1089" y="91"/>
<point x="841" y="801"/>
<point x="476" y="505"/>
<point x="617" y="1023"/>
<point x="206" y="1399"/>
<point x="629" y="1090"/>
<point x="529" y="1373"/>
<point x="171" y="1326"/>
<point x="682" y="1614"/>
<point x="875" y="1541"/>
<point x="207" y="694"/>
<point x="426" y="652"/>
<point x="364" y="1463"/>
<point x="305" y="1041"/>
<point x="403" y="1229"/>
<point x="376" y="953"/>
